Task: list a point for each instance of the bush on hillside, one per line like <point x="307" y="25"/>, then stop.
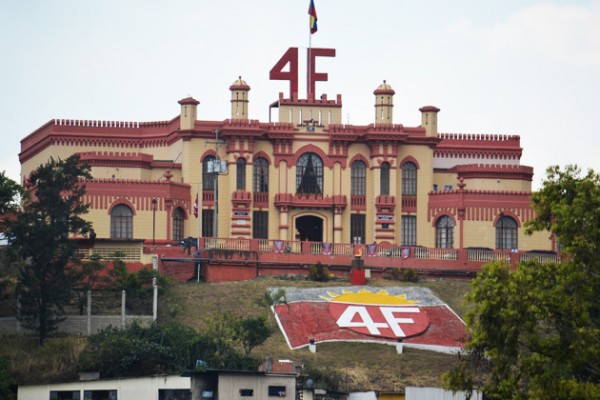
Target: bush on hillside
<point x="318" y="273"/>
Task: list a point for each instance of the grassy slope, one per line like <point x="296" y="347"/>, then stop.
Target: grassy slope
<point x="353" y="366"/>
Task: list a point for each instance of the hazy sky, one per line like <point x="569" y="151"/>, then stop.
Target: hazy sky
<point x="524" y="67"/>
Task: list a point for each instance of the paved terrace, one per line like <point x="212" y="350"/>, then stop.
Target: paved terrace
<point x="234" y="259"/>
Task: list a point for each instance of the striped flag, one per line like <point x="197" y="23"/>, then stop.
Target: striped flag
<point x="312" y="11"/>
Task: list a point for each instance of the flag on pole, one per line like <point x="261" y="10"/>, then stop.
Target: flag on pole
<point x="196" y="207"/>
<point x="312" y="11"/>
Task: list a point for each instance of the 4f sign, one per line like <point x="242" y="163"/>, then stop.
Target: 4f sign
<point x="389" y="322"/>
<point x="290" y="59"/>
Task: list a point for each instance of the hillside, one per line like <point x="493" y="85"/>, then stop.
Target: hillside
<point x="350" y="366"/>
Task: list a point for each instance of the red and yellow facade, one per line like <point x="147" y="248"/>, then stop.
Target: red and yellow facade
<point x="306" y="177"/>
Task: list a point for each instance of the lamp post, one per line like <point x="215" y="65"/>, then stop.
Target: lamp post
<point x="153" y="221"/>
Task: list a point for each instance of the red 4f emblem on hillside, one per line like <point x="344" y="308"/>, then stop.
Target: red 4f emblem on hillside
<point x="389" y="322"/>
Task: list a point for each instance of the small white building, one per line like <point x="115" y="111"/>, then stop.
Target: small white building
<point x="157" y="387"/>
<point x="227" y="385"/>
<point x="430" y="393"/>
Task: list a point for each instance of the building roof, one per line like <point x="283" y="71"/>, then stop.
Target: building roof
<point x="239" y="84"/>
<point x="384" y="88"/>
<point x="189" y="100"/>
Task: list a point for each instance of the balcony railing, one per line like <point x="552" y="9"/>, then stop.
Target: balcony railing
<point x="383" y="251"/>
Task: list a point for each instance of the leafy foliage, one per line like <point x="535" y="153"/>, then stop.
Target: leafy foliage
<point x="5" y="380"/>
<point x="138" y="285"/>
<point x="318" y="272"/>
<point x="171" y="348"/>
<point x="272" y="298"/>
<point x="252" y="332"/>
<point x="39" y="235"/>
<point x="138" y="350"/>
<point x="91" y="277"/>
<point x="10" y="194"/>
<point x="535" y="331"/>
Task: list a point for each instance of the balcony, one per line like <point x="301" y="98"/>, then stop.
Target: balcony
<point x="309" y="200"/>
<point x="260" y="200"/>
<point x="260" y="257"/>
<point x="409" y="203"/>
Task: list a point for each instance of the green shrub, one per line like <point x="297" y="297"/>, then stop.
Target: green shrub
<point x="395" y="274"/>
<point x="318" y="273"/>
<point x="409" y="275"/>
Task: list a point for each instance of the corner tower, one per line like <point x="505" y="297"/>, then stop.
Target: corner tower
<point x="429" y="120"/>
<point x="239" y="99"/>
<point x="187" y="117"/>
<point x="384" y="104"/>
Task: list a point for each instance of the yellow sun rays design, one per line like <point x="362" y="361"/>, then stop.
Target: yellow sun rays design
<point x="364" y="296"/>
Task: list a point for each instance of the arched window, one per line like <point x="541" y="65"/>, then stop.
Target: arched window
<point x="309" y="174"/>
<point x="178" y="219"/>
<point x="261" y="176"/>
<point x="507" y="236"/>
<point x="121" y="222"/>
<point x="409" y="179"/>
<point x="358" y="178"/>
<point x="241" y="174"/>
<point x="444" y="233"/>
<point x="384" y="179"/>
<point x="208" y="179"/>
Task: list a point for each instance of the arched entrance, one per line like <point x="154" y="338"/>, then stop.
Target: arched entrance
<point x="310" y="228"/>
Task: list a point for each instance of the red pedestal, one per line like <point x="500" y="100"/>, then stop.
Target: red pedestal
<point x="357" y="277"/>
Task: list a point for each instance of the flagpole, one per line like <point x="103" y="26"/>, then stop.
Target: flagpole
<point x="198" y="237"/>
<point x="198" y="217"/>
<point x="309" y="58"/>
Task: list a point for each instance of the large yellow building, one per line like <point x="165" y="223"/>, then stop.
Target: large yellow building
<point x="306" y="177"/>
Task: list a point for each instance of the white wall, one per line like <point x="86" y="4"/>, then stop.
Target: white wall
<point x="362" y="396"/>
<point x="127" y="388"/>
<point x="428" y="393"/>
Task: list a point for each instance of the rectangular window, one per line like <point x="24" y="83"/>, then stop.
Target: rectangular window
<point x="357" y="228"/>
<point x="174" y="394"/>
<point x="260" y="224"/>
<point x="208" y="175"/>
<point x="261" y="176"/>
<point x="247" y="392"/>
<point x="385" y="179"/>
<point x="240" y="174"/>
<point x="207" y="223"/>
<point x="65" y="395"/>
<point x="409" y="230"/>
<point x="358" y="179"/>
<point x="100" y="395"/>
<point x="277" y="391"/>
<point x="435" y="187"/>
<point x="409" y="179"/>
<point x="447" y="187"/>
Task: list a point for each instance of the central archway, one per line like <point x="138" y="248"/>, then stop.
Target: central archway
<point x="310" y="228"/>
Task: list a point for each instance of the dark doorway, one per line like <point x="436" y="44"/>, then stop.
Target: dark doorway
<point x="310" y="228"/>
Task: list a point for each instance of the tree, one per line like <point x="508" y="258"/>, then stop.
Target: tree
<point x="165" y="348"/>
<point x="39" y="235"/>
<point x="138" y="285"/>
<point x="139" y="350"/>
<point x="535" y="331"/>
<point x="252" y="332"/>
<point x="5" y="380"/>
<point x="10" y="194"/>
